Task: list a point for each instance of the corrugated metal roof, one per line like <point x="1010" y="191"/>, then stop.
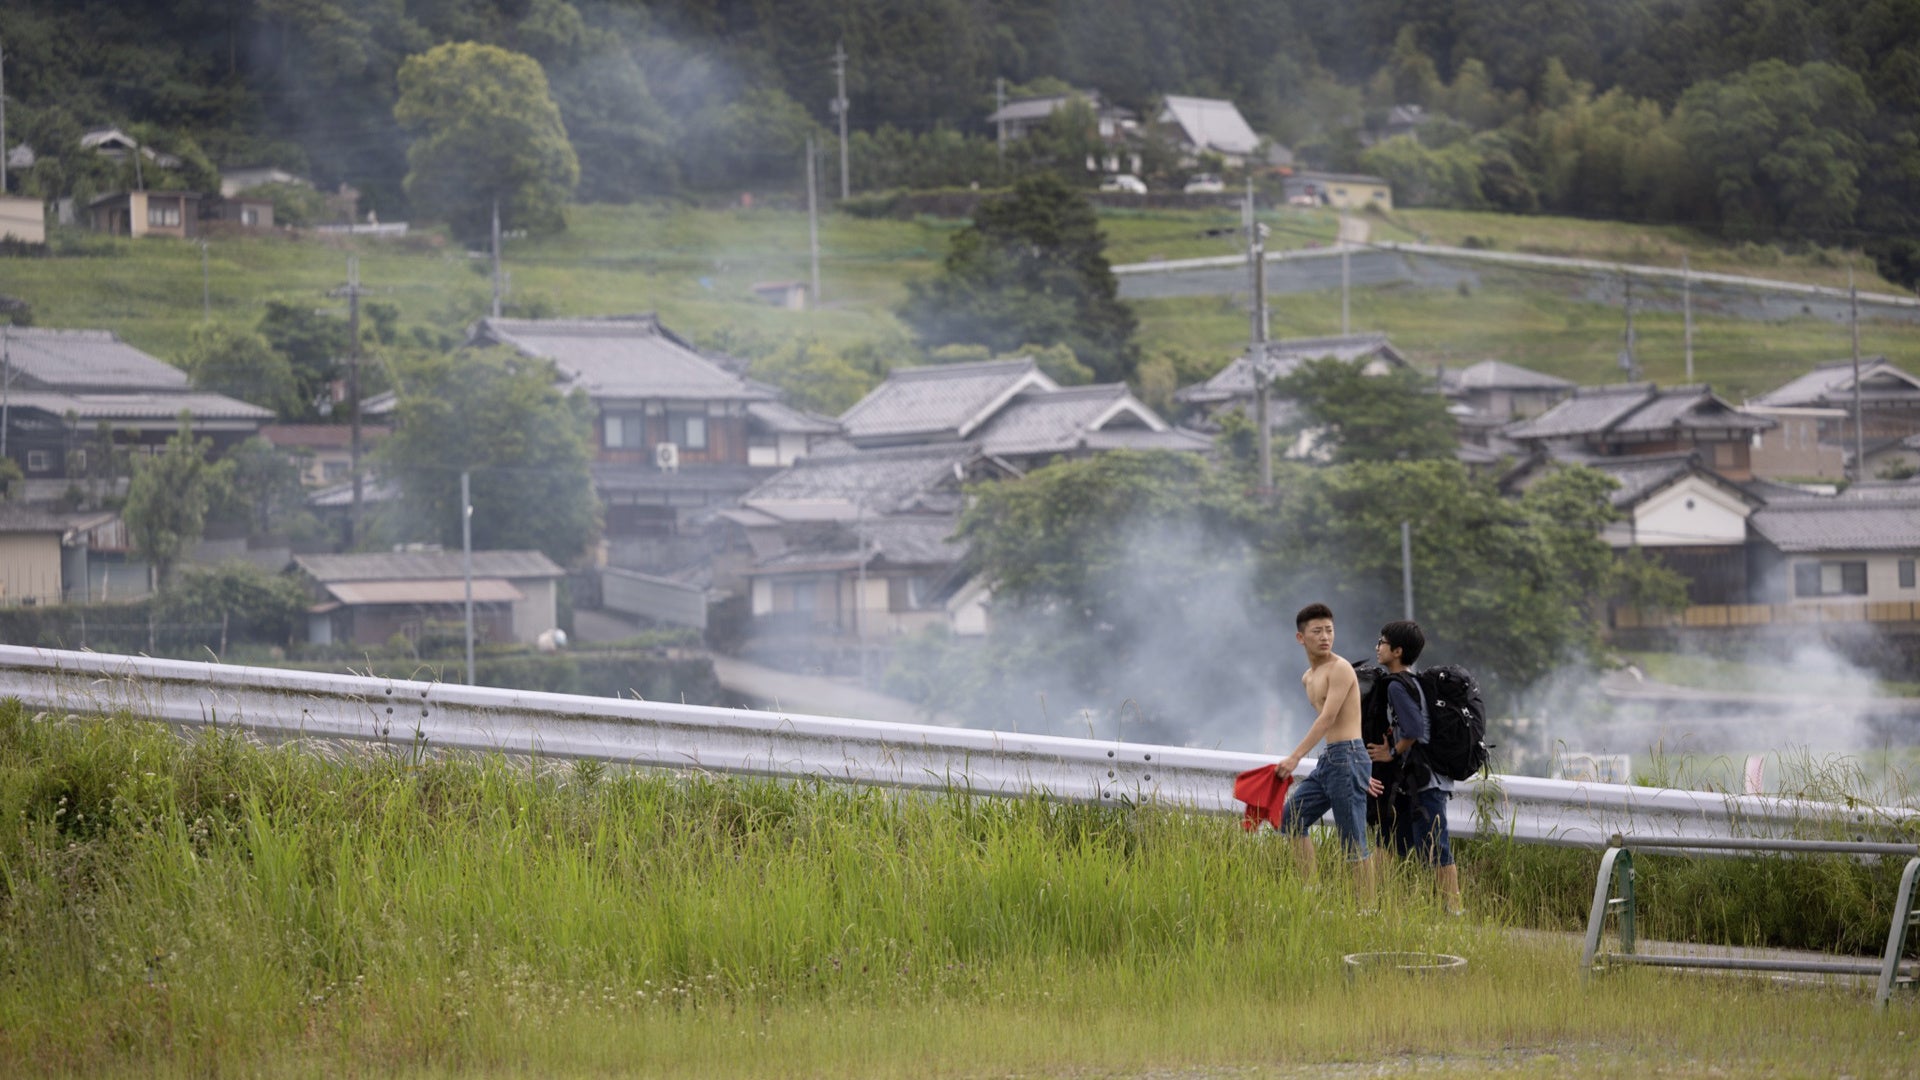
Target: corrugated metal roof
<point x="84" y="360"/>
<point x="137" y="406"/>
<point x="1282" y="358"/>
<point x="1881" y="521"/>
<point x="1210" y="123"/>
<point x="425" y="566"/>
<point x="1831" y="384"/>
<point x="621" y="358"/>
<point x="454" y="591"/>
<point x="938" y="400"/>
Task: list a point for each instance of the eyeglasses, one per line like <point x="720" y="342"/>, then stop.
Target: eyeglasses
<point x="1383" y="641"/>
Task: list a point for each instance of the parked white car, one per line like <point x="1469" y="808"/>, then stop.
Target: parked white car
<point x="1125" y="182"/>
<point x="1204" y="184"/>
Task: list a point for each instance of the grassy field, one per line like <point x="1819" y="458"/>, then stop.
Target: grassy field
<point x="694" y="267"/>
<point x="205" y="906"/>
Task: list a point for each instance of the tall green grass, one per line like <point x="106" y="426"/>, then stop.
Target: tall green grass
<point x="203" y="904"/>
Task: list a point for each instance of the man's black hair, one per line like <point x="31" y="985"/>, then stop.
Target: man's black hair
<point x="1311" y="612"/>
<point x="1405" y="635"/>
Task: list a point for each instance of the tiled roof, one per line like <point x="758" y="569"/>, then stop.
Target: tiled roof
<point x="1831" y="384"/>
<point x="139" y="406"/>
<point x="621" y="358"/>
<point x="874" y="482"/>
<point x="1056" y="421"/>
<point x="1865" y="518"/>
<point x="1282" y="358"/>
<point x="340" y="496"/>
<point x="638" y="477"/>
<point x="784" y="419"/>
<point x="1695" y="408"/>
<point x="426" y="566"/>
<point x="938" y="400"/>
<point x="84" y="360"/>
<point x="1039" y="108"/>
<point x="1211" y="124"/>
<point x="1500" y="375"/>
<point x="320" y="436"/>
<point x="906" y="540"/>
<point x="1590" y="411"/>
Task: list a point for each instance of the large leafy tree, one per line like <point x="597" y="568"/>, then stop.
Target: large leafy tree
<point x="1354" y="416"/>
<point x="486" y="131"/>
<point x="168" y="499"/>
<point x="499" y="416"/>
<point x="312" y="344"/>
<point x="240" y="363"/>
<point x="1031" y="269"/>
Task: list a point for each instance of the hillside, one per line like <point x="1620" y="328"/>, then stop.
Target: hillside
<point x="695" y="266"/>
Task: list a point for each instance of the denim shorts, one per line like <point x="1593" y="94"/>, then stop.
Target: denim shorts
<point x="1338" y="783"/>
<point x="1421" y="830"/>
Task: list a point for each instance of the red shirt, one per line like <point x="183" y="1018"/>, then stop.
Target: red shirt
<point x="1264" y="791"/>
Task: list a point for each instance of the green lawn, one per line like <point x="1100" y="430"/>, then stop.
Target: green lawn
<point x="693" y="266"/>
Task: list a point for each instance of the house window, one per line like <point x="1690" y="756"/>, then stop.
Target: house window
<point x="1830" y="579"/>
<point x="623" y="431"/>
<point x="1906" y="573"/>
<point x="163" y="215"/>
<point x="39" y="461"/>
<point x="249" y="215"/>
<point x="687" y="430"/>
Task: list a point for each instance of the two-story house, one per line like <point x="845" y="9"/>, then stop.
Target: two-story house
<point x="1639" y="420"/>
<point x="675" y="433"/>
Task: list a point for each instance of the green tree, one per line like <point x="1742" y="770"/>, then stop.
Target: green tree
<point x="499" y="415"/>
<point x="813" y="376"/>
<point x="1030" y="269"/>
<point x="1784" y="146"/>
<point x="168" y="499"/>
<point x="241" y="364"/>
<point x="312" y="342"/>
<point x="1396" y="416"/>
<point x="236" y="601"/>
<point x="486" y="131"/>
<point x="263" y="491"/>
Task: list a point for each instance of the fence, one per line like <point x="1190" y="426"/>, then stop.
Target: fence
<point x="1616" y="870"/>
<point x="914" y="756"/>
<point x="1828" y="611"/>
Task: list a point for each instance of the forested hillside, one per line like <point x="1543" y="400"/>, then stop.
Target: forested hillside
<point x="1764" y="119"/>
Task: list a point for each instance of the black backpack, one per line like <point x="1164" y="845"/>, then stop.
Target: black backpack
<point x="1456" y="746"/>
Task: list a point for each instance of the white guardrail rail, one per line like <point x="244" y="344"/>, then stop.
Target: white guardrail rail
<point x="292" y="704"/>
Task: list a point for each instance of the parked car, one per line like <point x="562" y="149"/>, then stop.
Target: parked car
<point x="1125" y="182"/>
<point x="1204" y="184"/>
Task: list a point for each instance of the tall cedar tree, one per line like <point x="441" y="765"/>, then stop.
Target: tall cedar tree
<point x="1031" y="269"/>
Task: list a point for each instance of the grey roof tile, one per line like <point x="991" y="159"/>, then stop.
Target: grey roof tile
<point x="139" y="406"/>
<point x="621" y="358"/>
<point x="1886" y="519"/>
<point x="1500" y="375"/>
<point x="1831" y="384"/>
<point x="1282" y="358"/>
<point x="875" y="482"/>
<point x="1210" y="123"/>
<point x="1591" y="410"/>
<point x="939" y="399"/>
<point x="784" y="419"/>
<point x="85" y="360"/>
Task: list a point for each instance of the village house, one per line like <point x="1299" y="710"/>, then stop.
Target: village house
<point x="1639" y="419"/>
<point x="1235" y="388"/>
<point x="1504" y="391"/>
<point x="1823" y="400"/>
<point x="367" y="599"/>
<point x="61" y="389"/>
<point x="323" y="452"/>
<point x="22" y="220"/>
<point x="1342" y="191"/>
<point x="675" y="433"/>
<point x="147" y="213"/>
<point x="1203" y="126"/>
<point x="1856" y="550"/>
<point x="1018" y="117"/>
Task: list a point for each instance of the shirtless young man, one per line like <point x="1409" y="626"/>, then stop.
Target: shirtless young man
<point x="1340" y="782"/>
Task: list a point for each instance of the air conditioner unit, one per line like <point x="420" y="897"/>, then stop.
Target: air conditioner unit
<point x="667" y="456"/>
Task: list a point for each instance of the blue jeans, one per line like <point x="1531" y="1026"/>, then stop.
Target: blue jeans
<point x="1339" y="784"/>
<point x="1421" y="830"/>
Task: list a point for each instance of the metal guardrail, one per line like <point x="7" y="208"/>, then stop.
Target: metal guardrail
<point x="287" y="703"/>
<point x="1617" y="875"/>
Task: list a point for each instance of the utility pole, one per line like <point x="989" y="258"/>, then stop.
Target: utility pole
<point x="1406" y="568"/>
<point x="466" y="550"/>
<point x="1257" y="353"/>
<point x="1346" y="278"/>
<point x="840" y="108"/>
<point x="1859" y="418"/>
<point x="1686" y="308"/>
<point x="353" y="394"/>
<point x="6" y="383"/>
<point x="813" y="222"/>
<point x="3" y="119"/>
<point x="206" y="285"/>
<point x="999" y="106"/>
<point x="1629" y="363"/>
<point x="496" y="256"/>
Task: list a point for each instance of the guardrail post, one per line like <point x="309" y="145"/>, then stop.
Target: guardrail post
<point x="1617" y="859"/>
<point x="1904" y="918"/>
